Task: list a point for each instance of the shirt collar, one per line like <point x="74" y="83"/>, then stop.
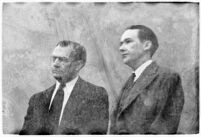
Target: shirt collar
<point x="141" y="68"/>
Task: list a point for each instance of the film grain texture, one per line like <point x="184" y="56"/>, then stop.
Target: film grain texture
<point x="31" y="30"/>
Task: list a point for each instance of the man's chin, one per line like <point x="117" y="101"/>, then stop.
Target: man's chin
<point x="57" y="77"/>
<point x="126" y="61"/>
<point x="62" y="79"/>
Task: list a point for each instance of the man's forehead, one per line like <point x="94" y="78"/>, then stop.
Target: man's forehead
<point x="62" y="51"/>
<point x="130" y="33"/>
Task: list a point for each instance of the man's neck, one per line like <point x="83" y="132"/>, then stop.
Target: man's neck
<point x="67" y="80"/>
<point x="138" y="63"/>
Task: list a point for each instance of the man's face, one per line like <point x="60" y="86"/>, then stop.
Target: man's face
<point x="131" y="48"/>
<point x="63" y="66"/>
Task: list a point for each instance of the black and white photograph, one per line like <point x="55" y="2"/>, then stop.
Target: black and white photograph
<point x="100" y="68"/>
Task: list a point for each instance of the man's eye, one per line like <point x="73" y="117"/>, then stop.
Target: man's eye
<point x="57" y="58"/>
<point x="127" y="41"/>
<point x="61" y="59"/>
<point x="64" y="59"/>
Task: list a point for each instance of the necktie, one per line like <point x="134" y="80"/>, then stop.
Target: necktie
<point x="130" y="82"/>
<point x="129" y="85"/>
<point x="56" y="106"/>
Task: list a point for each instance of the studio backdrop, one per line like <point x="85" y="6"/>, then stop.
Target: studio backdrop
<point x="30" y="32"/>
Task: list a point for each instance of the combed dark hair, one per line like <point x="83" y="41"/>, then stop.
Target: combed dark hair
<point x="79" y="52"/>
<point x="144" y="34"/>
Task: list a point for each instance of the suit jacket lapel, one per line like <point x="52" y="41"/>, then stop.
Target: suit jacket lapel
<point x="48" y="93"/>
<point x="141" y="83"/>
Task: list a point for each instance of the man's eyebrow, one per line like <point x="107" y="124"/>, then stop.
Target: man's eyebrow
<point x="127" y="39"/>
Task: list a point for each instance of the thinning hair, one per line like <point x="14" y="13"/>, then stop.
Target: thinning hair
<point x="78" y="53"/>
<point x="145" y="34"/>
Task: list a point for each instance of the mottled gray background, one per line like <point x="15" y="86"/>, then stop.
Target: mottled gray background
<point x="31" y="30"/>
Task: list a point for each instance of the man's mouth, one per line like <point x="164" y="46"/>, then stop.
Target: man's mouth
<point x="56" y="71"/>
<point x="124" y="55"/>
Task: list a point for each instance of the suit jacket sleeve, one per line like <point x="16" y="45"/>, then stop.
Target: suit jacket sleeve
<point x="28" y="126"/>
<point x="169" y="106"/>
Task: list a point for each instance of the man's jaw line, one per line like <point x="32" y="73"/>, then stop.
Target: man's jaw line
<point x="65" y="79"/>
<point x="134" y="64"/>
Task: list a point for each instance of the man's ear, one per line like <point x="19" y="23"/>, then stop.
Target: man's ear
<point x="79" y="64"/>
<point x="147" y="45"/>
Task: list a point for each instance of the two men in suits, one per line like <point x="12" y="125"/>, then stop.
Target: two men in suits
<point x="152" y="99"/>
<point x="72" y="105"/>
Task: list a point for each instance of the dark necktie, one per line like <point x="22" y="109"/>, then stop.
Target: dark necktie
<point x="56" y="106"/>
<point x="130" y="82"/>
<point x="129" y="85"/>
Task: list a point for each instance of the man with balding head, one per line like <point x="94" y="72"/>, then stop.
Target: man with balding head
<point x="152" y="98"/>
<point x="72" y="105"/>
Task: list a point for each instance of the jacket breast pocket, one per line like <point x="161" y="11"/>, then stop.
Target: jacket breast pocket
<point x="148" y="103"/>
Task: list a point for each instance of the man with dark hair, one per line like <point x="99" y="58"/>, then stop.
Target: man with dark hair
<point x="72" y="105"/>
<point x="152" y="98"/>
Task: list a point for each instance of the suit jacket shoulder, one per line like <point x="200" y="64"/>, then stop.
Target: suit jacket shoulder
<point x="42" y="96"/>
<point x="92" y="90"/>
<point x="167" y="72"/>
<point x="169" y="78"/>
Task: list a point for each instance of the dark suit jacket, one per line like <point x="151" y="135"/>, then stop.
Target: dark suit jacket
<point x="152" y="106"/>
<point x="86" y="112"/>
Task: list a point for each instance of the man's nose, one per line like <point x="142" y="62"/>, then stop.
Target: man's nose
<point x="56" y="63"/>
<point x="122" y="48"/>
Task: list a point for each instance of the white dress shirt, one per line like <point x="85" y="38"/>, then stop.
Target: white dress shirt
<point x="141" y="68"/>
<point x="67" y="91"/>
